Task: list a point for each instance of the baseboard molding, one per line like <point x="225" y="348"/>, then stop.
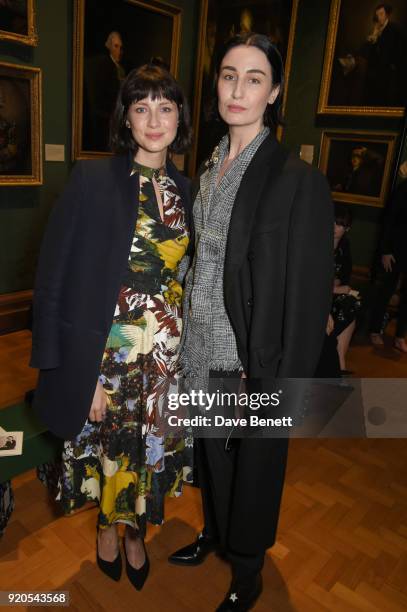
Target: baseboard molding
<point x="15" y="311"/>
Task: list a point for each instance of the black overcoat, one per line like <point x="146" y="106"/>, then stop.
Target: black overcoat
<point x="279" y="265"/>
<point x="278" y="280"/>
<point x="82" y="261"/>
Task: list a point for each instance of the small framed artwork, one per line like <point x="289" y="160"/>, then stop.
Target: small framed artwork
<point x="11" y="443"/>
<point x="221" y="19"/>
<point x="17" y="21"/>
<point x="110" y="39"/>
<point x="358" y="165"/>
<point x="365" y="63"/>
<point x="20" y="125"/>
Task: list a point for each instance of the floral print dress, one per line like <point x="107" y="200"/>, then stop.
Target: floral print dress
<point x="130" y="461"/>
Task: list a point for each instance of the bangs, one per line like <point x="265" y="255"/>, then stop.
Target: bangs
<point x="153" y="82"/>
<point x="146" y="86"/>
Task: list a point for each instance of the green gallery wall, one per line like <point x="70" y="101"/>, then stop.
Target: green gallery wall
<point x="24" y="210"/>
<point x="305" y="127"/>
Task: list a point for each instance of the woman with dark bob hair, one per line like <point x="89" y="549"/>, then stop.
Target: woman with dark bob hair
<point x="107" y="320"/>
<point x="256" y="304"/>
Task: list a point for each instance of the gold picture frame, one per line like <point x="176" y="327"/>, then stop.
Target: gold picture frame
<point x="358" y="165"/>
<point x="21" y="125"/>
<point x="83" y="147"/>
<point x="31" y="38"/>
<point x="196" y="114"/>
<point x="345" y="90"/>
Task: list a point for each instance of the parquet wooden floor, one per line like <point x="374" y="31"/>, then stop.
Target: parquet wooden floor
<point x="342" y="542"/>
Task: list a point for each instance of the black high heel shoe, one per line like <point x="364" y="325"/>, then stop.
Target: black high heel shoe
<point x="113" y="569"/>
<point x="137" y="577"/>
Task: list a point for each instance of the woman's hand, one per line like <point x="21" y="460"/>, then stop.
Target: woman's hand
<point x="330" y="325"/>
<point x="387" y="261"/>
<point x="99" y="404"/>
<point x="354" y="293"/>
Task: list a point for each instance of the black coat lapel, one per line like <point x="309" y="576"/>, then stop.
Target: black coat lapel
<point x="263" y="169"/>
<point x="128" y="185"/>
<point x="124" y="210"/>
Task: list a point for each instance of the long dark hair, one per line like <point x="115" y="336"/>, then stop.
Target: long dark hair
<point x="273" y="115"/>
<point x="157" y="82"/>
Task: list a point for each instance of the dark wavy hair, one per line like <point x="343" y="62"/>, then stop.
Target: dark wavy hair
<point x="273" y="115"/>
<point x="140" y="83"/>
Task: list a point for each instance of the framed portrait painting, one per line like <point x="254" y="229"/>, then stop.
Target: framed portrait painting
<point x="20" y="125"/>
<point x="17" y="21"/>
<point x="358" y="165"/>
<point x="365" y="63"/>
<point x="221" y="19"/>
<point x="110" y="39"/>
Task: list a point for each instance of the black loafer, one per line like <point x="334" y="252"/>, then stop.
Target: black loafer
<point x="242" y="596"/>
<point x="195" y="553"/>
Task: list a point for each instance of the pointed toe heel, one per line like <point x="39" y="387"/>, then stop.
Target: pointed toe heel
<point x="112" y="569"/>
<point x="137" y="577"/>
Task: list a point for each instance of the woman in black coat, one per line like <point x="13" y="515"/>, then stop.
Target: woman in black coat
<point x="257" y="300"/>
<point x="107" y="320"/>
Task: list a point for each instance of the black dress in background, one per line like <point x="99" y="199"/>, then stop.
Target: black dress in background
<point x="344" y="310"/>
<point x="344" y="307"/>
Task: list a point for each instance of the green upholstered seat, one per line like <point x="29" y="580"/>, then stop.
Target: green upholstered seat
<point x="39" y="445"/>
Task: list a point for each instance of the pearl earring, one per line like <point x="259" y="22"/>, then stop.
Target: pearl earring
<point x="127" y="124"/>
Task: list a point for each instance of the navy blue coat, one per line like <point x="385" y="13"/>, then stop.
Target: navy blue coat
<point x="82" y="261"/>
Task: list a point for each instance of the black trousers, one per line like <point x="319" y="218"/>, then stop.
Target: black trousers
<point x="386" y="290"/>
<point x="241" y="483"/>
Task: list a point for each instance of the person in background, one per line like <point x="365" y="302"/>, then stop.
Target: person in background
<point x="328" y="364"/>
<point x="346" y="301"/>
<point x="394" y="266"/>
<point x="107" y="321"/>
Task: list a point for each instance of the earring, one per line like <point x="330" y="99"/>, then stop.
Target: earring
<point x="127" y="124"/>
